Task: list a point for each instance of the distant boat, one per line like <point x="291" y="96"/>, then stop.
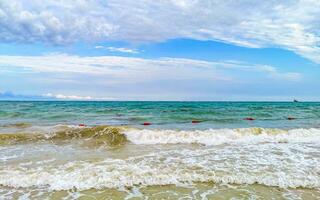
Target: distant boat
<point x="295" y="100"/>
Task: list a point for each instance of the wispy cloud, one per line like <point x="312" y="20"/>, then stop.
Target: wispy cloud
<point x="71" y="77"/>
<point x="291" y="25"/>
<point x="270" y="71"/>
<point x="138" y="69"/>
<point x="49" y="96"/>
<point x="118" y="49"/>
<point x="75" y="97"/>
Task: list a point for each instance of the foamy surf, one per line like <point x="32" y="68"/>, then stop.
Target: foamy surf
<point x="286" y="167"/>
<point x="245" y="156"/>
<point x="102" y="150"/>
<point x="222" y="136"/>
<point x="118" y="135"/>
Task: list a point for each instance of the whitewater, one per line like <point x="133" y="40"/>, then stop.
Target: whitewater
<point x="104" y="151"/>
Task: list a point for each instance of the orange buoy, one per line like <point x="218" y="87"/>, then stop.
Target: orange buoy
<point x="195" y="121"/>
<point x="291" y="118"/>
<point x="82" y="125"/>
<point x="146" y="124"/>
<point x="249" y="118"/>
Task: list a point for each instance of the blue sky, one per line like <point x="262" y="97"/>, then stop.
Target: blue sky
<point x="166" y="50"/>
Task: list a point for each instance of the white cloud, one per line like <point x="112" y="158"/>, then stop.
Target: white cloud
<point x="49" y="96"/>
<point x="118" y="49"/>
<point x="116" y="67"/>
<point x="130" y="69"/>
<point x="70" y="77"/>
<point x="270" y="71"/>
<point x="288" y="24"/>
<point x="75" y="97"/>
<point x="123" y="50"/>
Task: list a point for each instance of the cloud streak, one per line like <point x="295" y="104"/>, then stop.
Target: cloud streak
<point x="71" y="77"/>
<point x="132" y="69"/>
<point x="118" y="49"/>
<point x="287" y="24"/>
<point x="49" y="96"/>
<point x="74" y="97"/>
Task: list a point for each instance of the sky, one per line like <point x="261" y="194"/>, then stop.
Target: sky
<point x="184" y="50"/>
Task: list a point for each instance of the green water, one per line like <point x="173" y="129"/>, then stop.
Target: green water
<point x="46" y="154"/>
<point x="163" y="114"/>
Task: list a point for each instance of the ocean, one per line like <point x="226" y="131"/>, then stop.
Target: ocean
<point x="159" y="150"/>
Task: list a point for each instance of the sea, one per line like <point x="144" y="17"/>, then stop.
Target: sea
<point x="159" y="150"/>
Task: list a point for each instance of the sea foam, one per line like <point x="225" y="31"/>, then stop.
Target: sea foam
<point x="222" y="136"/>
<point x="282" y="165"/>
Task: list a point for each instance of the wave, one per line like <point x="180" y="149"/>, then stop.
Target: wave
<point x="282" y="158"/>
<point x="113" y="135"/>
<point x="222" y="136"/>
<point x="174" y="167"/>
<point x="99" y="134"/>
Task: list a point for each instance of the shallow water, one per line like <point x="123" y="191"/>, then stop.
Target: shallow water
<point x="44" y="154"/>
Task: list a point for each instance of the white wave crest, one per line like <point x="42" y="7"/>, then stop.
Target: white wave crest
<point x="222" y="136"/>
<point x="289" y="166"/>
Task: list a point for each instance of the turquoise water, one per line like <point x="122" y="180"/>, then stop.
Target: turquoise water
<point x="45" y="154"/>
<point x="164" y="114"/>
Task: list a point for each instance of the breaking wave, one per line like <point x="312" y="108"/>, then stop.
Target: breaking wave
<point x="99" y="134"/>
<point x="173" y="167"/>
<point x="112" y="135"/>
<point x="222" y="136"/>
<point x="270" y="157"/>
